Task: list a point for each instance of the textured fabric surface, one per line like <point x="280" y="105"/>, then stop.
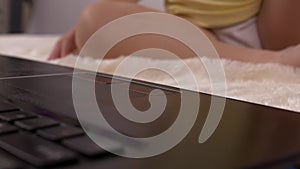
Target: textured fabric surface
<point x="267" y="84"/>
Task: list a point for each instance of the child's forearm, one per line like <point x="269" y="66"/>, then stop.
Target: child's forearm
<point x="289" y="56"/>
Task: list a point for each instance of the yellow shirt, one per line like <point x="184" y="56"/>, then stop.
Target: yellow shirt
<point x="214" y="13"/>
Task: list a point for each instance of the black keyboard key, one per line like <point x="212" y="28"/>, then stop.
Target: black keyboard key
<point x="8" y="161"/>
<point x="6" y="128"/>
<point x="36" y="123"/>
<point x="60" y="132"/>
<point x="5" y="107"/>
<point x="294" y="167"/>
<point x="84" y="145"/>
<point x="36" y="151"/>
<point x="16" y="115"/>
<point x="298" y="165"/>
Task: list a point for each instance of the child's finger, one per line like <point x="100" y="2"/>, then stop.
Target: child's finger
<point x="56" y="51"/>
<point x="68" y="44"/>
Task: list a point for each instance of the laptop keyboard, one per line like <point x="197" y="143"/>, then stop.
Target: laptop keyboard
<point x="41" y="141"/>
<point x="30" y="141"/>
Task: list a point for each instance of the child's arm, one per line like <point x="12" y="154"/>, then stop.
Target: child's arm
<point x="97" y="15"/>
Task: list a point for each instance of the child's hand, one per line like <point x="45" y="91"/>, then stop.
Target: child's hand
<point x="64" y="46"/>
<point x="72" y="41"/>
<point x="93" y="17"/>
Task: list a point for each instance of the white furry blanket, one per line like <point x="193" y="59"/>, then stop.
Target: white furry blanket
<point x="267" y="84"/>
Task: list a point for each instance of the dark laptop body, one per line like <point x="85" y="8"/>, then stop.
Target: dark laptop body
<point x="248" y="136"/>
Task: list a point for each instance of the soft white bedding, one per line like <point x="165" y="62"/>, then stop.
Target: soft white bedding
<point x="267" y="84"/>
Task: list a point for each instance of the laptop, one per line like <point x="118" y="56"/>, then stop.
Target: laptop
<point x="40" y="128"/>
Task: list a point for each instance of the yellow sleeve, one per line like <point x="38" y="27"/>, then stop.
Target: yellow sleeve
<point x="214" y="13"/>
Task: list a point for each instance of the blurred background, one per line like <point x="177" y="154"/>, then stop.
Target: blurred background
<point x="47" y="16"/>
